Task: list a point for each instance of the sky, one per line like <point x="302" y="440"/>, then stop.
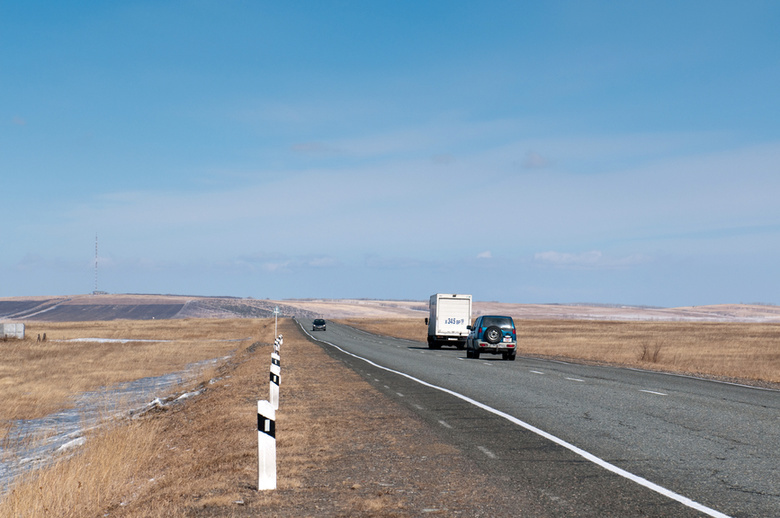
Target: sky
<point x="526" y="152"/>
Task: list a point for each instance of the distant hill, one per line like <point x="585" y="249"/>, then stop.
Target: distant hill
<point x="147" y="307"/>
<point x="82" y="308"/>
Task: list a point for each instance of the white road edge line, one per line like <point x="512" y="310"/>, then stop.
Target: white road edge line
<point x="445" y="424"/>
<point x="512" y="419"/>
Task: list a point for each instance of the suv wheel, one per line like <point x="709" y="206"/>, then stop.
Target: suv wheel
<point x="493" y="335"/>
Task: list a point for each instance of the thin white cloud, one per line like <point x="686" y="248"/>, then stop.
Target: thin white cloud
<point x="567" y="259"/>
<point x="593" y="259"/>
<point x="442" y="137"/>
<point x="487" y="254"/>
<point x="321" y="262"/>
<point x="394" y="263"/>
<point x="279" y="263"/>
<point x="377" y="208"/>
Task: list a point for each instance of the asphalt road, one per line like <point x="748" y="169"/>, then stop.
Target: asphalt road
<point x="592" y="441"/>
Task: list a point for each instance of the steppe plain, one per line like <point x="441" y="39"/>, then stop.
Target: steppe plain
<point x="142" y="307"/>
<point x="198" y="458"/>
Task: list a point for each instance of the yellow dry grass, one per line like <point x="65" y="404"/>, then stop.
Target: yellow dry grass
<point x="200" y="458"/>
<point x="733" y="350"/>
<point x="107" y="469"/>
<point x="341" y="452"/>
<point x="37" y="378"/>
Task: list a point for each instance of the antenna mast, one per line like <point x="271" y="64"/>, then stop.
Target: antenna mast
<point x="96" y="265"/>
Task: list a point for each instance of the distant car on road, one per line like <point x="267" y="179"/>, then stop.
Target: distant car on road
<point x="318" y="325"/>
<point x="492" y="334"/>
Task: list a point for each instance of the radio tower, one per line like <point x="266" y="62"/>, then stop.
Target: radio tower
<point x="96" y="265"/>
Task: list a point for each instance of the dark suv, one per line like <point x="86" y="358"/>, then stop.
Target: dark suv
<point x="318" y="325"/>
<point x="492" y="334"/>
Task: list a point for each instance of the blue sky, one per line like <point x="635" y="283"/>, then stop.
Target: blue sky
<point x="583" y="151"/>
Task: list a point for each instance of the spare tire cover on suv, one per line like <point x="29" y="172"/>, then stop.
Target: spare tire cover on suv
<point x="493" y="334"/>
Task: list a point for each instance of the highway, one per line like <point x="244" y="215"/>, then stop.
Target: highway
<point x="591" y="440"/>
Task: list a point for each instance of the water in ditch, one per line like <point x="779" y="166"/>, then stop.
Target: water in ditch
<point x="32" y="443"/>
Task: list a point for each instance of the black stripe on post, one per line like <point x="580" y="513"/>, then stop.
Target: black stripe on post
<point x="267" y="426"/>
<point x="275" y="361"/>
<point x="274" y="378"/>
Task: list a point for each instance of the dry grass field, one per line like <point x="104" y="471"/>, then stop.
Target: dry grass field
<point x="739" y="351"/>
<point x="347" y="452"/>
<point x="338" y="454"/>
<point x="37" y="378"/>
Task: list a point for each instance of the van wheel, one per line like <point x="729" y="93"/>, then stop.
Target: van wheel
<point x="469" y="354"/>
<point x="509" y="356"/>
<point x="475" y="354"/>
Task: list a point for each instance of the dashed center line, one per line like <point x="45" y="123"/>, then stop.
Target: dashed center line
<point x="654" y="392"/>
<point x="486" y="452"/>
<point x="399" y="394"/>
<point x="537" y="372"/>
<point x="576" y="379"/>
<point x="569" y="446"/>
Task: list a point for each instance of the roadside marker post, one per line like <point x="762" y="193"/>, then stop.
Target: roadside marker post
<point x="276" y="371"/>
<point x="273" y="390"/>
<point x="266" y="446"/>
<point x="276" y="317"/>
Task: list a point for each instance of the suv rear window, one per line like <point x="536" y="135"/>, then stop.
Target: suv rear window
<point x="502" y="322"/>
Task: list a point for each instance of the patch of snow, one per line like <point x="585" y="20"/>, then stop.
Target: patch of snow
<point x="189" y="395"/>
<point x="72" y="444"/>
<point x="34" y="442"/>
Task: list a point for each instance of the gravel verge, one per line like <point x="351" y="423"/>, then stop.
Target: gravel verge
<point x="343" y="449"/>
